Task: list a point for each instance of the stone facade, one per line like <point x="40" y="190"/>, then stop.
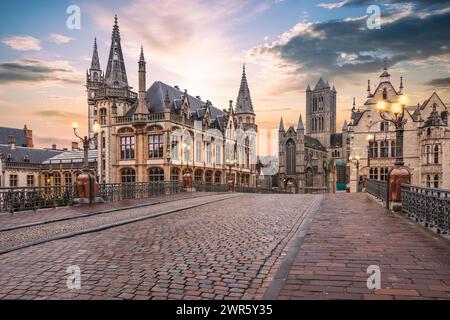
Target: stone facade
<point x="426" y="147"/>
<point x="314" y="162"/>
<point x="165" y="134"/>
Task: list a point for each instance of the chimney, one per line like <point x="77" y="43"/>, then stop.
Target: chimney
<point x="12" y="141"/>
<point x="53" y="146"/>
<point x="28" y="137"/>
<point x="75" y="146"/>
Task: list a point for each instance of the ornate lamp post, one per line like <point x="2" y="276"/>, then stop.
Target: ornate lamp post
<point x="355" y="160"/>
<point x="86" y="142"/>
<point x="394" y="113"/>
<point x="86" y="187"/>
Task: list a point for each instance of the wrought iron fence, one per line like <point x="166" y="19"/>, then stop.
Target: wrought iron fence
<point x="33" y="198"/>
<point x="427" y="205"/>
<point x="123" y="191"/>
<point x="378" y="189"/>
<point x="210" y="187"/>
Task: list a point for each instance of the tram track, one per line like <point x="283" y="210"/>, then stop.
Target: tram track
<point x="27" y="236"/>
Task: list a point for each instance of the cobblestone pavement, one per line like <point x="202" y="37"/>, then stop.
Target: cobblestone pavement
<point x="8" y="220"/>
<point x="224" y="250"/>
<point x="352" y="231"/>
<point x="39" y="233"/>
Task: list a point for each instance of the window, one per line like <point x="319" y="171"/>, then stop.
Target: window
<point x="156" y="175"/>
<point x="373" y="173"/>
<point x="374" y="149"/>
<point x="217" y="177"/>
<point x="428" y="181"/>
<point x="198" y="150"/>
<point x="218" y="154"/>
<point x="30" y="180"/>
<point x="429" y="132"/>
<point x="290" y="158"/>
<point x="384" y="126"/>
<point x="384" y="94"/>
<point x="428" y="155"/>
<point x="155" y="146"/>
<point x="209" y="153"/>
<point x="47" y="180"/>
<point x="127" y="147"/>
<point x="393" y="150"/>
<point x="103" y="140"/>
<point x="13" y="180"/>
<point x="436" y="181"/>
<point x="309" y="177"/>
<point x="174" y="148"/>
<point x="384" y="174"/>
<point x="384" y="149"/>
<point x="208" y="176"/>
<point x="174" y="174"/>
<point x="57" y="179"/>
<point x="128" y="175"/>
<point x="198" y="175"/>
<point x="436" y="154"/>
<point x="103" y="116"/>
<point x="67" y="178"/>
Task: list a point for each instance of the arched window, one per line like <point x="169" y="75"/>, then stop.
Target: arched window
<point x="436" y="181"/>
<point x="128" y="175"/>
<point x="436" y="154"/>
<point x="103" y="116"/>
<point x="155" y="174"/>
<point x="68" y="179"/>
<point x="290" y="158"/>
<point x="217" y="177"/>
<point x="174" y="174"/>
<point x="208" y="176"/>
<point x="198" y="175"/>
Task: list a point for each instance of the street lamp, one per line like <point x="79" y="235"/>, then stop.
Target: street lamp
<point x="355" y="160"/>
<point x="86" y="142"/>
<point x="394" y="113"/>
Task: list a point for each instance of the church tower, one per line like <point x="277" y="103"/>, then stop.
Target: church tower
<point x="321" y="112"/>
<point x="94" y="79"/>
<point x="244" y="113"/>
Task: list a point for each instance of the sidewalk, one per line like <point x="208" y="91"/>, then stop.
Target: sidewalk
<point x="349" y="233"/>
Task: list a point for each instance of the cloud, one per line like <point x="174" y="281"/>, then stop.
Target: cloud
<point x="440" y="82"/>
<point x="33" y="71"/>
<point x="23" y="43"/>
<point x="59" y="114"/>
<point x="337" y="48"/>
<point x="333" y="5"/>
<point x="60" y="39"/>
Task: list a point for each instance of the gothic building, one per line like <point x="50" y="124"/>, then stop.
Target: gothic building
<point x="426" y="147"/>
<point x="314" y="161"/>
<point x="162" y="133"/>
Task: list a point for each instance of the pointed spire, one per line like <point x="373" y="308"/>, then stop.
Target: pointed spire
<point x="244" y="101"/>
<point x="116" y="74"/>
<point x="281" y="125"/>
<point x="308" y="88"/>
<point x="95" y="64"/>
<point x="401" y="84"/>
<point x="385" y="76"/>
<point x="354" y="104"/>
<point x="369" y="91"/>
<point x="141" y="57"/>
<point x="300" y="123"/>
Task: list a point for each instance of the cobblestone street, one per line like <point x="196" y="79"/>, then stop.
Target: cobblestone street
<point x="226" y="246"/>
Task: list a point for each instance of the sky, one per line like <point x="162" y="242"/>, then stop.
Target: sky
<point x="200" y="45"/>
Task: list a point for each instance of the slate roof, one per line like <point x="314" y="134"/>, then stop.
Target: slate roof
<point x="36" y="156"/>
<point x="321" y="85"/>
<point x="76" y="156"/>
<point x="313" y="143"/>
<point x="19" y="134"/>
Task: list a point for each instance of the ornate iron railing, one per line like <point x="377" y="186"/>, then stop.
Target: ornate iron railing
<point x="427" y="205"/>
<point x="378" y="189"/>
<point x="33" y="198"/>
<point x="211" y="187"/>
<point x="123" y="191"/>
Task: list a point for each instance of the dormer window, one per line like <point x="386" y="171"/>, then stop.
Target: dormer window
<point x="26" y="158"/>
<point x="384" y="94"/>
<point x="9" y="157"/>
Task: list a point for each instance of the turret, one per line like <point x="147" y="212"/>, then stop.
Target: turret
<point x="142" y="105"/>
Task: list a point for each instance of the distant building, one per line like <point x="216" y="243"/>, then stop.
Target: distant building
<point x="19" y="137"/>
<point x="426" y="146"/>
<point x="314" y="161"/>
<point x="162" y="132"/>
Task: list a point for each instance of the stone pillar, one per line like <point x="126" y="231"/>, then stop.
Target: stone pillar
<point x="140" y="156"/>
